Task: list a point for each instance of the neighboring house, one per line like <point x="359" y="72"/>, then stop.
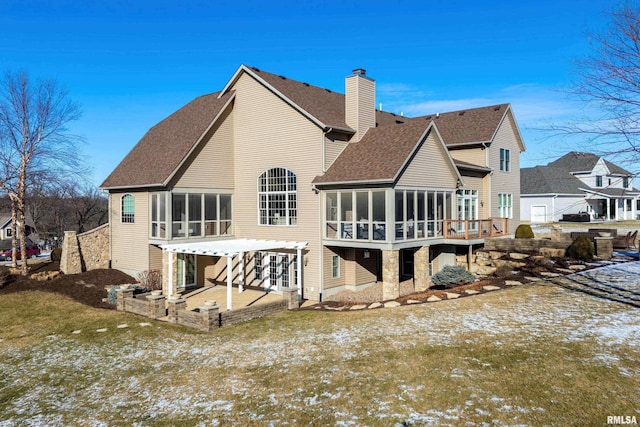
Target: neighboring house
<point x="575" y="183"/>
<point x="6" y="231"/>
<point x="287" y="184"/>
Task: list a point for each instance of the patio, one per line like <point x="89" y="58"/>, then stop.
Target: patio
<point x="249" y="297"/>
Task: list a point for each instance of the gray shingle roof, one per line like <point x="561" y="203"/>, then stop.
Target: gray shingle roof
<point x="548" y="180"/>
<point x="581" y="162"/>
<point x="557" y="177"/>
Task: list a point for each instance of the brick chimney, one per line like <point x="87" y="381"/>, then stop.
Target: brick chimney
<point x="360" y="103"/>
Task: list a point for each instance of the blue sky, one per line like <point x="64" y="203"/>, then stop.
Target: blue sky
<point x="131" y="63"/>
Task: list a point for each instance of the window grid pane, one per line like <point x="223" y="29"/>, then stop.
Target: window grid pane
<point x="277" y="198"/>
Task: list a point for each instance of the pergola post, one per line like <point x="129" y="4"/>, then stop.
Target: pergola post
<point x="229" y="280"/>
<point x="299" y="273"/>
<point x="170" y="285"/>
<point x="240" y="272"/>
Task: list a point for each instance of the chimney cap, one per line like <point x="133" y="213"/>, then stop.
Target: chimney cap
<point x="359" y="72"/>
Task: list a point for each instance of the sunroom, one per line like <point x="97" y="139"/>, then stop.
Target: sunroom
<point x="187" y="214"/>
<point x="384" y="216"/>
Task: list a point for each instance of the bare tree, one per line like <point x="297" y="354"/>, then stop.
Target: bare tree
<point x="34" y="139"/>
<point x="608" y="81"/>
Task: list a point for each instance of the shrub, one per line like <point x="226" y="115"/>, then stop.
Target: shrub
<point x="112" y="297"/>
<point x="151" y="280"/>
<point x="451" y="276"/>
<point x="524" y="231"/>
<point x="56" y="254"/>
<point x="581" y="248"/>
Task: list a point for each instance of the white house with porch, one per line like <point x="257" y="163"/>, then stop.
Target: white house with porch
<point x="577" y="183"/>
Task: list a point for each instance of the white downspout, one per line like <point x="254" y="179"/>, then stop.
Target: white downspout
<point x="299" y="273"/>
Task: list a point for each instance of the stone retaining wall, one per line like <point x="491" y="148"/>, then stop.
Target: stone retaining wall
<point x="152" y="306"/>
<point x="94" y="247"/>
<point x="86" y="251"/>
<point x="205" y="318"/>
<point x="524" y="245"/>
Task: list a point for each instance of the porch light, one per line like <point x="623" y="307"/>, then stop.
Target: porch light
<point x="366" y="254"/>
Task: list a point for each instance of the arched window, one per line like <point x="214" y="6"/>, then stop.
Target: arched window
<point x="127" y="211"/>
<point x="277" y="204"/>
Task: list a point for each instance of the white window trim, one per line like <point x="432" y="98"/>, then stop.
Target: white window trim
<point x="505" y="160"/>
<point x="133" y="215"/>
<point x="335" y="266"/>
<point x="287" y="193"/>
<point x="506" y="209"/>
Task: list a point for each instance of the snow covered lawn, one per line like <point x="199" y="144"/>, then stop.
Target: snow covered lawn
<point x="528" y="355"/>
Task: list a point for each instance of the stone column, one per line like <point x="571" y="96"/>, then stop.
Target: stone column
<point x="169" y="271"/>
<point x="71" y="261"/>
<point x="209" y="317"/>
<point x="390" y="274"/>
<point x="421" y="269"/>
<point x="291" y="296"/>
<point x="174" y="305"/>
<point x="604" y="247"/>
<point x="157" y="306"/>
<point x="121" y="295"/>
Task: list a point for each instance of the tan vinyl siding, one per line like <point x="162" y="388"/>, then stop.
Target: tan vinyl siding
<point x="332" y="151"/>
<point x="329" y="281"/>
<point x="130" y="251"/>
<point x="475" y="156"/>
<point x="366" y="267"/>
<point x="360" y="107"/>
<point x="278" y="136"/>
<point x="506" y="182"/>
<point x="211" y="164"/>
<point x="430" y="167"/>
<point x="155" y="258"/>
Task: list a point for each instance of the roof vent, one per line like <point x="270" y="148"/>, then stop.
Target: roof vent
<point x="359" y="72"/>
<point x="305" y="83"/>
<point x="497" y="108"/>
<point x="328" y="90"/>
<point x="399" y="122"/>
<point x="283" y="77"/>
<point x="437" y="115"/>
<point x="461" y="113"/>
<point x="255" y="69"/>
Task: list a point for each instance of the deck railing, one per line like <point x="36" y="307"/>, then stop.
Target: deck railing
<point x="475" y="229"/>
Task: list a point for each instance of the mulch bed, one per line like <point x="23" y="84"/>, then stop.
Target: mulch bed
<point x="87" y="288"/>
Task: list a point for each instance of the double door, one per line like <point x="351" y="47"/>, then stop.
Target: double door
<point x="277" y="274"/>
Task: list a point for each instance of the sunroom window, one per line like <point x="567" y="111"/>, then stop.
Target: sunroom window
<point x="200" y="215"/>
